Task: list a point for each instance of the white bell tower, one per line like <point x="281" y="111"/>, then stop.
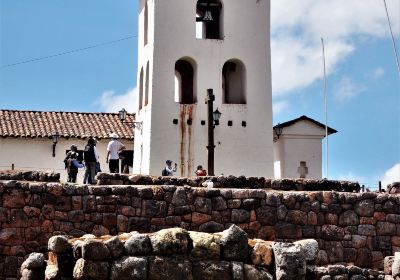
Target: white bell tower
<point x="185" y="48"/>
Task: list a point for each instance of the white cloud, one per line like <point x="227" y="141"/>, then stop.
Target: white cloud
<point x="111" y="102"/>
<point x="391" y="175"/>
<point x="280" y="106"/>
<point x="346" y="90"/>
<point x="379" y="72"/>
<point x="297" y="27"/>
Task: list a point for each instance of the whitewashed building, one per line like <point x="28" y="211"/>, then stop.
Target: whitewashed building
<point x="185" y="48"/>
<point x="26" y="138"/>
<point x="298" y="148"/>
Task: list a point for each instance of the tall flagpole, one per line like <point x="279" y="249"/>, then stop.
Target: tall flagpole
<point x="326" y="112"/>
<point x="393" y="41"/>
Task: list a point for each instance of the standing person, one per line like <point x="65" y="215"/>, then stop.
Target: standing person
<point x="89" y="156"/>
<point x="114" y="146"/>
<point x="123" y="156"/>
<point x="168" y="170"/>
<point x="96" y="153"/>
<point x="72" y="171"/>
<point x="72" y="167"/>
<point x="200" y="171"/>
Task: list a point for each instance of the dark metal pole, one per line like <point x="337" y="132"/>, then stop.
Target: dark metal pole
<point x="210" y="108"/>
<point x="54" y="149"/>
<point x="380" y="186"/>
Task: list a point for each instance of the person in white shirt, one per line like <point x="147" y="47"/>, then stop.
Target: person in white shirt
<point x="169" y="170"/>
<point x="114" y="146"/>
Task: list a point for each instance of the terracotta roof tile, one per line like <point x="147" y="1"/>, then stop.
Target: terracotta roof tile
<point x="34" y="124"/>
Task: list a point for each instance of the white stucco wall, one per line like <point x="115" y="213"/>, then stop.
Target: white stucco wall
<point x="36" y="154"/>
<point x="172" y="36"/>
<point x="301" y="141"/>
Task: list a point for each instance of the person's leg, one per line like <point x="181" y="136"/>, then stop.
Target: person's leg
<point x="117" y="166"/>
<point x="86" y="177"/>
<point x="114" y="165"/>
<point x="110" y="165"/>
<point x="92" y="167"/>
<point x="74" y="177"/>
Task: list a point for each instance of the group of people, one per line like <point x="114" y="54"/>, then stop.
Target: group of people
<point x="115" y="151"/>
<point x="169" y="170"/>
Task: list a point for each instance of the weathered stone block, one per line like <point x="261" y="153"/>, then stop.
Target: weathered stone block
<point x="348" y="218"/>
<point x="234" y="244"/>
<point x="13" y="198"/>
<point x="170" y="268"/>
<point x="138" y="245"/>
<point x="59" y="245"/>
<point x="381" y="242"/>
<point x="385" y="228"/>
<point x="200" y="218"/>
<point x="286" y="230"/>
<point x="332" y="232"/>
<point x="211" y="227"/>
<point x="256" y="273"/>
<point x="85" y="269"/>
<point x="296" y="217"/>
<point x="365" y="208"/>
<point x="211" y="270"/>
<point x="95" y="250"/>
<point x="129" y="268"/>
<point x="367" y="230"/>
<point x="234" y="203"/>
<point x="364" y="258"/>
<point x="179" y="197"/>
<point x="170" y="241"/>
<point x="115" y="246"/>
<point x="205" y="246"/>
<point x="237" y="271"/>
<point x="153" y="208"/>
<point x="240" y="216"/>
<point x="359" y="241"/>
<point x="139" y="224"/>
<point x="290" y="263"/>
<point x="334" y="251"/>
<point x="203" y="205"/>
<point x="218" y="203"/>
<point x="34" y="261"/>
<point x="310" y="249"/>
<point x="266" y="215"/>
<point x="262" y="253"/>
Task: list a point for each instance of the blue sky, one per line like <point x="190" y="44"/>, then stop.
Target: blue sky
<point x="363" y="83"/>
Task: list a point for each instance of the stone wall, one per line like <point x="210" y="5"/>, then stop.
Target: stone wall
<point x="234" y="182"/>
<point x="179" y="254"/>
<point x="29" y="176"/>
<point x="349" y="227"/>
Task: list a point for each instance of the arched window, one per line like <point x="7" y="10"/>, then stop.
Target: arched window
<point x="146" y="24"/>
<point x="146" y="89"/>
<point x="184" y="82"/>
<point x="234" y="82"/>
<point x="141" y="89"/>
<point x="209" y="19"/>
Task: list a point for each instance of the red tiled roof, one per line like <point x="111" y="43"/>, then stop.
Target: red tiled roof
<point x="34" y="124"/>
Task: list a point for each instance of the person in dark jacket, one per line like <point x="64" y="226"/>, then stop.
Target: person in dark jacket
<point x="89" y="156"/>
<point x="72" y="167"/>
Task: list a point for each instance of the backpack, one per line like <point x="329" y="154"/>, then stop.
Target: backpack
<point x="165" y="172"/>
<point x="88" y="154"/>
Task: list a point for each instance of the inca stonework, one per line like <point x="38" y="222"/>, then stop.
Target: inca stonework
<point x="359" y="228"/>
